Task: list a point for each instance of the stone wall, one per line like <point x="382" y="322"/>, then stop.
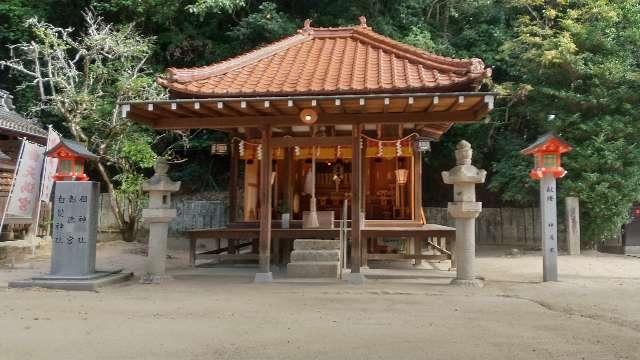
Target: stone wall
<point x="195" y="211"/>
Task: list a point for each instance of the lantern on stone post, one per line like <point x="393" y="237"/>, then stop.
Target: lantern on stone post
<point x="547" y="151"/>
<point x="75" y="213"/>
<point x="75" y="226"/>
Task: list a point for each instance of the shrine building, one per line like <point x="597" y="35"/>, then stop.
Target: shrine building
<point x="331" y="118"/>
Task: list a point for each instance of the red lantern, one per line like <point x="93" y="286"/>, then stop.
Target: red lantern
<point x="71" y="157"/>
<point x="546" y="152"/>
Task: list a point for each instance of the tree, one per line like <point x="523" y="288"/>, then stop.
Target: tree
<point x="580" y="61"/>
<point x="80" y="78"/>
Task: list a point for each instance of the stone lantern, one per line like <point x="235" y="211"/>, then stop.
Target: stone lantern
<point x="158" y="215"/>
<point x="464" y="209"/>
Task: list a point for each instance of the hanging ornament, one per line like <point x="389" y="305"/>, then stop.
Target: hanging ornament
<point x="380" y="149"/>
<point x="296" y="150"/>
<point x="398" y="148"/>
<point x="259" y="152"/>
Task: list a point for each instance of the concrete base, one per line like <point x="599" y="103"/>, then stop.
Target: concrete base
<point x="74" y="284"/>
<point x="476" y="283"/>
<point x="262" y="278"/>
<point x="155" y="279"/>
<point x="357" y="279"/>
<point x="92" y="276"/>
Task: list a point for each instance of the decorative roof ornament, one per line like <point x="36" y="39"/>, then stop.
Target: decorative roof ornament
<point x="306" y="28"/>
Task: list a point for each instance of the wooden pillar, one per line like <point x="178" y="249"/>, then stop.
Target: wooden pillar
<point x="233" y="184"/>
<point x="356" y="204"/>
<point x="265" y="201"/>
<point x="417" y="185"/>
<point x="287" y="196"/>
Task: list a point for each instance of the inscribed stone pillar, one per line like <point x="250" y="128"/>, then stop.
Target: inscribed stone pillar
<point x="572" y="213"/>
<point x="158" y="215"/>
<point x="464" y="209"/>
<point x="75" y="224"/>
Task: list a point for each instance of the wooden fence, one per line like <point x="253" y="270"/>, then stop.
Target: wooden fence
<point x="495" y="226"/>
<point x="502" y="226"/>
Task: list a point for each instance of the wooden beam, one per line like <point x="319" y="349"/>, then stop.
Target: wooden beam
<point x="207" y="122"/>
<point x="265" y="200"/>
<point x="288" y="141"/>
<point x="228" y="110"/>
<point x="434" y="101"/>
<point x="356" y="179"/>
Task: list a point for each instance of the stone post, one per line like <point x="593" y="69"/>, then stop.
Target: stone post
<point x="572" y="219"/>
<point x="549" y="230"/>
<point x="157" y="216"/>
<point x="464" y="209"/>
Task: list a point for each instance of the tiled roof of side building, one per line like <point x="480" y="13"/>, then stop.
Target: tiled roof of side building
<point x="12" y="121"/>
<point x="329" y="61"/>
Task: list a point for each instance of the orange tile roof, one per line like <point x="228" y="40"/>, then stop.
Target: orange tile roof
<point x="328" y="61"/>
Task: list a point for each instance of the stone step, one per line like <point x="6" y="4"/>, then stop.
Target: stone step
<point x="313" y="269"/>
<point x="315" y="255"/>
<point x="314" y="244"/>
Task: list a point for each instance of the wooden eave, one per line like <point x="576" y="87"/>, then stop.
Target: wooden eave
<point x="431" y="113"/>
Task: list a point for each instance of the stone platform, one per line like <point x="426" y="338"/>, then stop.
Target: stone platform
<point x="88" y="283"/>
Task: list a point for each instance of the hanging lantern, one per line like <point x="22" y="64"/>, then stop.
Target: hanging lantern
<point x="402" y="175"/>
<point x="309" y="116"/>
<point x="423" y="144"/>
<point x="219" y="149"/>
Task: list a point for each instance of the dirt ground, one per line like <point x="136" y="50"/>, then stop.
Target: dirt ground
<point x="218" y="313"/>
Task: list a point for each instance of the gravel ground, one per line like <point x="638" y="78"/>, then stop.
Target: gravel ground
<point x="218" y="313"/>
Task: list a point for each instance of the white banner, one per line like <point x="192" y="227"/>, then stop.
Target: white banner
<point x="26" y="185"/>
<point x="50" y="166"/>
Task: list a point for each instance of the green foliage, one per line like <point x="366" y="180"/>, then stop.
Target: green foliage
<point x="216" y="6"/>
<point x="266" y="24"/>
<point x="580" y="60"/>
